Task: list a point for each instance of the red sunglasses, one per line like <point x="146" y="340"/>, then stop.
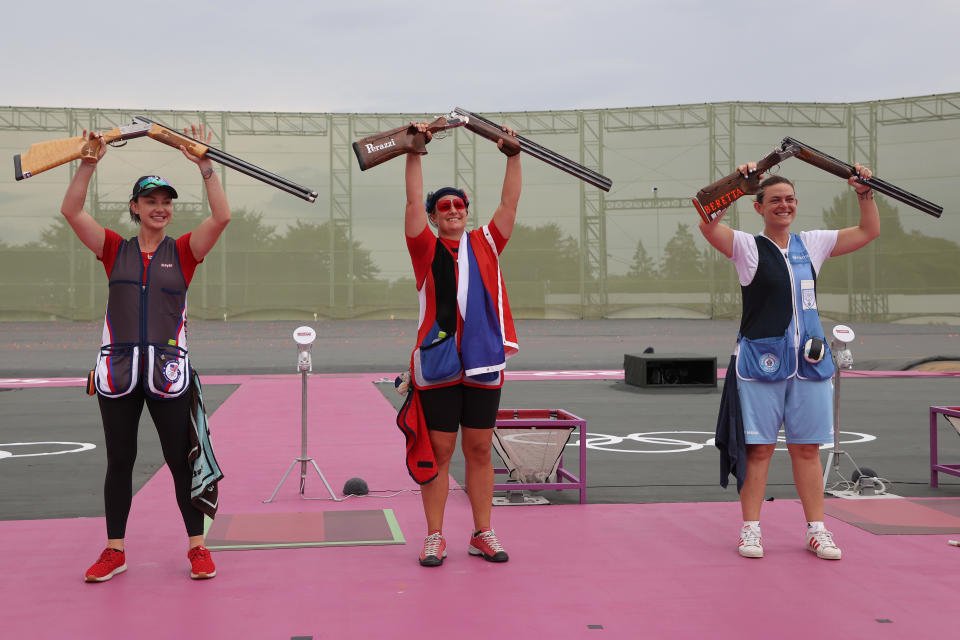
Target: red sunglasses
<point x="443" y="206"/>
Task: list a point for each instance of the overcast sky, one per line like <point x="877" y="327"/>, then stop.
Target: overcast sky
<point x="380" y="56"/>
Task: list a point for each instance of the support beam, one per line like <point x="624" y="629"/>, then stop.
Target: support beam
<point x="724" y="293"/>
<point x="341" y="203"/>
<point x="465" y="170"/>
<point x="593" y="233"/>
<point x="647" y="203"/>
<point x="869" y="304"/>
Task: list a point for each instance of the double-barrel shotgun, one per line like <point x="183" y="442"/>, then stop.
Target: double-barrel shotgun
<point x="380" y="147"/>
<point x="713" y="199"/>
<point x="47" y="155"/>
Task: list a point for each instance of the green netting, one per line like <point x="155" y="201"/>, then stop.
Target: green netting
<point x="576" y="252"/>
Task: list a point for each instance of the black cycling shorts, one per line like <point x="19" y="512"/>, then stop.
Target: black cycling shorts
<point x="446" y="408"/>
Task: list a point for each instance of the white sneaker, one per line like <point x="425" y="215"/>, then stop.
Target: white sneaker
<point x="821" y="543"/>
<point x="751" y="543"/>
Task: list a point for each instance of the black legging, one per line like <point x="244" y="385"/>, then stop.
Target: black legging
<point x="121" y="417"/>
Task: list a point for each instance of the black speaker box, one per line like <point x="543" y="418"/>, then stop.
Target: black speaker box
<point x="670" y="370"/>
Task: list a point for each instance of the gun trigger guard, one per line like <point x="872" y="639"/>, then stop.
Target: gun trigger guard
<point x="117" y="143"/>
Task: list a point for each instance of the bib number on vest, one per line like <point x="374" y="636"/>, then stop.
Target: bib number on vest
<point x="808" y="295"/>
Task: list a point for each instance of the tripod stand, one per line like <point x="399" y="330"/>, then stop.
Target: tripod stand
<point x="304" y="337"/>
<point x="843" y="359"/>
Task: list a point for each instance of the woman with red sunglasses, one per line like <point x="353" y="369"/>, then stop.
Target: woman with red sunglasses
<point x="143" y="355"/>
<point x="464" y="337"/>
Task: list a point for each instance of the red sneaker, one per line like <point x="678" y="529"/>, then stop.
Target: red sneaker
<point x="201" y="564"/>
<point x="111" y="562"/>
<point x="484" y="543"/>
<point x="434" y="550"/>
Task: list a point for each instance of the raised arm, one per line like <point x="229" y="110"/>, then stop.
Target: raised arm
<point x="207" y="234"/>
<point x="853" y="238"/>
<point x="415" y="213"/>
<point x="719" y="235"/>
<point x="89" y="231"/>
<point x="506" y="214"/>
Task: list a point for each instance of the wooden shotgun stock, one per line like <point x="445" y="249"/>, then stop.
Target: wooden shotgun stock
<point x="712" y="199"/>
<point x="716" y="197"/>
<point x="380" y="147"/>
<point x="47" y="155"/>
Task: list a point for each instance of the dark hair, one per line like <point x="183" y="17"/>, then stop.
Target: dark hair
<point x="134" y="217"/>
<point x="769" y="182"/>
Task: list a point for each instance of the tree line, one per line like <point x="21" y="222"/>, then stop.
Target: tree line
<point x="320" y="266"/>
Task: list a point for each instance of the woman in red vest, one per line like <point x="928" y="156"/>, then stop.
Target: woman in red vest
<point x="464" y="336"/>
<point x="143" y="357"/>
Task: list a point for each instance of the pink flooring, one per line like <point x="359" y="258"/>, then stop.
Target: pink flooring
<point x="638" y="570"/>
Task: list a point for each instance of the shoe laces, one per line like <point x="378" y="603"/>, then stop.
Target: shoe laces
<point x="490" y="538"/>
<point x="108" y="555"/>
<point x="108" y="559"/>
<point x="198" y="553"/>
<point x="824" y="537"/>
<point x="431" y="545"/>
<point x="751" y="537"/>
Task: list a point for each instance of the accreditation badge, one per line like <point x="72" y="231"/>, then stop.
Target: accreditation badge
<point x="808" y="294"/>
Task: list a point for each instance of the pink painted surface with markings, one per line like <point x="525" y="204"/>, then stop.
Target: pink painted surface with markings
<point x="637" y="570"/>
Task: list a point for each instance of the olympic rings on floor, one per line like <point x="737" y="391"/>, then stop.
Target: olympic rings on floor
<point x="669" y="442"/>
<point x="57" y="448"/>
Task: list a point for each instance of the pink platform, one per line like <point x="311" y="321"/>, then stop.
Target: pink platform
<point x="595" y="570"/>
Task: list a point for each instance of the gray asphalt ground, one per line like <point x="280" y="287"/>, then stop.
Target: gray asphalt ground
<point x="68" y="485"/>
<point x="893" y="410"/>
<point x="69" y="349"/>
<point x="626" y="468"/>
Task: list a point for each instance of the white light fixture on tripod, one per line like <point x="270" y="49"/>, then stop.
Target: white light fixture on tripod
<point x="304" y="337"/>
<point x="864" y="479"/>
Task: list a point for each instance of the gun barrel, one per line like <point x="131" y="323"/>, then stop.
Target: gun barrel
<point x="903" y="196"/>
<point x="551" y="157"/>
<point x="844" y="170"/>
<point x="262" y="175"/>
<point x="251" y="170"/>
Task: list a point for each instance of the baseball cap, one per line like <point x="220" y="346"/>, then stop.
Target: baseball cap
<point x="145" y="185"/>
